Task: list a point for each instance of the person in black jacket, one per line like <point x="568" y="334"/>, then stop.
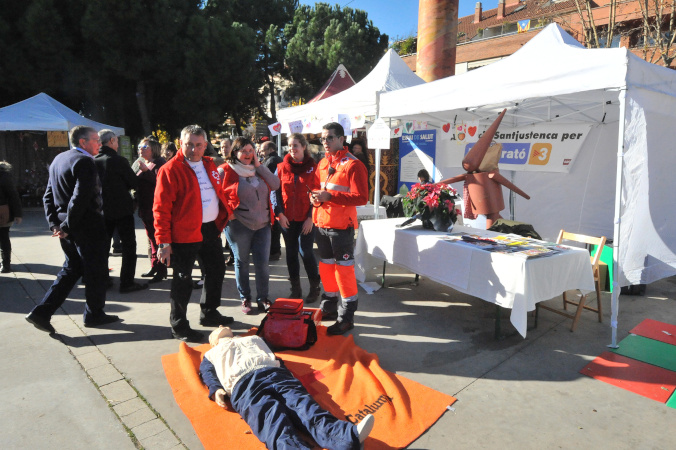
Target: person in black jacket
<point x="117" y="179"/>
<point x="73" y="207"/>
<point x="10" y="197"/>
<point x="268" y="152"/>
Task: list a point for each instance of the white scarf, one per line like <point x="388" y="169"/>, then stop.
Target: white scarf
<point x="243" y="170"/>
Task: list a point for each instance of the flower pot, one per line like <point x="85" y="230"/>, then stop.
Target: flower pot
<point x="441" y="223"/>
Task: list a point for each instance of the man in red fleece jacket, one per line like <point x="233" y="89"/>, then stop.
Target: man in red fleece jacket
<point x="190" y="214"/>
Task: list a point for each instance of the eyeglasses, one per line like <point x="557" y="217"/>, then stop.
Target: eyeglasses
<point x="143" y="147"/>
<point x="328" y="139"/>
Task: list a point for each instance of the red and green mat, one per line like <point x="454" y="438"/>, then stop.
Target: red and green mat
<point x="644" y="363"/>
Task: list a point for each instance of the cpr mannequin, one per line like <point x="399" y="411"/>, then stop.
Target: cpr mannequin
<point x="483" y="182"/>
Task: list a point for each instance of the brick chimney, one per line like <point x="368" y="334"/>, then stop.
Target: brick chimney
<point x="477" y="12"/>
<point x="501" y="9"/>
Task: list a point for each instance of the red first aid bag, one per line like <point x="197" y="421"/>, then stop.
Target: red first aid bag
<point x="288" y="326"/>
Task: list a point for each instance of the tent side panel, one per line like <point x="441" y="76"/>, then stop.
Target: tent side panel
<point x="648" y="220"/>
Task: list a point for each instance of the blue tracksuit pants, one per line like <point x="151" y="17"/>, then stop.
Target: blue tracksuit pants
<point x="275" y="405"/>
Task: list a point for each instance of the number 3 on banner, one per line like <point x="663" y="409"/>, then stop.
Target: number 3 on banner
<point x="539" y="154"/>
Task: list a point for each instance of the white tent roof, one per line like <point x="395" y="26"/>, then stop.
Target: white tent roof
<point x="390" y="74"/>
<point x="43" y="113"/>
<point x="621" y="183"/>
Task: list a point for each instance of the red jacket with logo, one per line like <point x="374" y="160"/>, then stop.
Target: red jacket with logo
<point x="177" y="206"/>
<point x="296" y="179"/>
<point x="348" y="186"/>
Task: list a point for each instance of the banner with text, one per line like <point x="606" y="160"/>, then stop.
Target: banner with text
<point x="536" y="148"/>
<point x="417" y="151"/>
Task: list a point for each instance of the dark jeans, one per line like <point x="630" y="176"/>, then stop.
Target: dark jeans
<point x="295" y="242"/>
<point x="86" y="257"/>
<point x="276" y="406"/>
<point x="126" y="229"/>
<point x="182" y="261"/>
<point x="5" y="245"/>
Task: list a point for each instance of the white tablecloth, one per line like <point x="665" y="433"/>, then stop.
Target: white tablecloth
<point x="507" y="280"/>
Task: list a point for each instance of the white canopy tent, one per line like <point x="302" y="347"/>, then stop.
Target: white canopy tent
<point x="620" y="184"/>
<point x="42" y="113"/>
<point x="390" y="74"/>
<point x="362" y="99"/>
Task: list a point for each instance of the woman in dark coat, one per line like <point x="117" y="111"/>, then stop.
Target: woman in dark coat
<point x="10" y="213"/>
<point x="149" y="163"/>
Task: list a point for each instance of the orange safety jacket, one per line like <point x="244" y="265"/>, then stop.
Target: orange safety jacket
<point x="348" y="186"/>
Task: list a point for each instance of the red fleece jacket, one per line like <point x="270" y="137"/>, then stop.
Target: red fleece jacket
<point x="177" y="207"/>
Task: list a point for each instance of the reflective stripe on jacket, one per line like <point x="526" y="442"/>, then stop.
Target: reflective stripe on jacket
<point x="348" y="186"/>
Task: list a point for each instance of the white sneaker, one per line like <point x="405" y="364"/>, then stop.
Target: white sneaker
<point x="364" y="427"/>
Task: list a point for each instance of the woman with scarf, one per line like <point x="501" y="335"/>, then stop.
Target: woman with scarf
<point x="149" y="163"/>
<point x="294" y="213"/>
<point x="247" y="185"/>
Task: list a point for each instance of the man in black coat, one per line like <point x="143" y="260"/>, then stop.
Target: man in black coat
<point x="117" y="180"/>
<point x="270" y="160"/>
<point x="73" y="209"/>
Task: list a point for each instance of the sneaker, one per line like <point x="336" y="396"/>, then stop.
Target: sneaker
<point x="246" y="307"/>
<point x="365" y="426"/>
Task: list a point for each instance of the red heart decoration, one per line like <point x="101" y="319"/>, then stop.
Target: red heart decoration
<point x="396" y="131"/>
<point x="471" y="130"/>
<point x="446" y="127"/>
<point x="277" y="127"/>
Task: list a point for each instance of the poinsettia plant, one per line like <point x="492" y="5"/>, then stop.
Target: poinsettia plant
<point x="432" y="203"/>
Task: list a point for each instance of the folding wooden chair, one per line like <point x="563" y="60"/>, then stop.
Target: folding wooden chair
<point x="600" y="242"/>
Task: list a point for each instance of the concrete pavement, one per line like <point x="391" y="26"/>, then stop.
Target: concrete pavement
<point x="105" y="387"/>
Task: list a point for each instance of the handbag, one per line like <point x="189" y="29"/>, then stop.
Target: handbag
<point x="4" y="214"/>
<point x="287" y="325"/>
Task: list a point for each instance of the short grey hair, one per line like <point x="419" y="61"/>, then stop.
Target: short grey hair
<point x="269" y="146"/>
<point x="80" y="132"/>
<point x="193" y="130"/>
<point x="106" y="136"/>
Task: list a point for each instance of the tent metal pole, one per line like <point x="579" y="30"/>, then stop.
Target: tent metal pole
<point x="615" y="303"/>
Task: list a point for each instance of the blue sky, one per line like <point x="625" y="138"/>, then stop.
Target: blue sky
<point x="399" y="17"/>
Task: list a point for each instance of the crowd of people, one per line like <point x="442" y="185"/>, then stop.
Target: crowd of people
<point x="186" y="202"/>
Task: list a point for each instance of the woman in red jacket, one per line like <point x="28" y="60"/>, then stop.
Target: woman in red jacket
<point x="294" y="213"/>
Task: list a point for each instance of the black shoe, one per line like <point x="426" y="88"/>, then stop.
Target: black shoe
<point x="151" y="273"/>
<point x="133" y="288"/>
<point x="215" y="321"/>
<point x="188" y="336"/>
<point x="159" y="276"/>
<point x="340" y="328"/>
<point x="40" y="323"/>
<point x="275" y="256"/>
<point x="263" y="305"/>
<point x="5" y="267"/>
<point x="101" y="319"/>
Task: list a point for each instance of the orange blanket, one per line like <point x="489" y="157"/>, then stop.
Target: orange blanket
<point x="343" y="378"/>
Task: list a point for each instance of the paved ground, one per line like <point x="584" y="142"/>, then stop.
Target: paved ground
<point x="105" y="388"/>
